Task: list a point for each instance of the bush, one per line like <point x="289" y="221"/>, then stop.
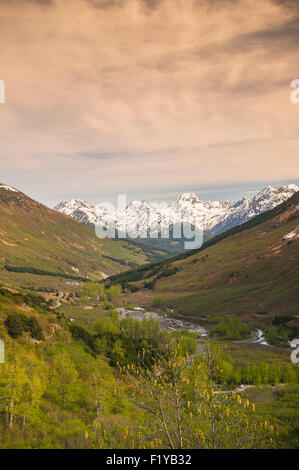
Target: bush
<point x="231" y="329"/>
<point x="168" y="272"/>
<point x="41" y="272"/>
<point x="32" y="325"/>
<point x="133" y="289"/>
<point x="114" y="292"/>
<point x="150" y="284"/>
<point x="18" y="323"/>
<point x="158" y="302"/>
<point x="14" y="325"/>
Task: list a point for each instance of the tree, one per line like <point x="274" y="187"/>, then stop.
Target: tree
<point x="14" y="325"/>
<point x="21" y="386"/>
<point x="64" y="378"/>
<point x="114" y="292"/>
<point x="94" y="291"/>
<point x="158" y="302"/>
<point x="182" y="407"/>
<point x="289" y="375"/>
<point x="33" y="326"/>
<point x="272" y="335"/>
<point x="102" y="383"/>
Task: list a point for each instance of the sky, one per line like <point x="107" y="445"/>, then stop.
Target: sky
<point x="148" y="98"/>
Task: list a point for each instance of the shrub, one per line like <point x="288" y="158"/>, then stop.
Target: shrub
<point x="32" y="325"/>
<point x="150" y="284"/>
<point x="158" y="302"/>
<point x="18" y="323"/>
<point x="133" y="289"/>
<point x="231" y="329"/>
<point x="14" y="325"/>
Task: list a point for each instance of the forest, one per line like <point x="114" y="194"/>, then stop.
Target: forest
<point x="124" y="383"/>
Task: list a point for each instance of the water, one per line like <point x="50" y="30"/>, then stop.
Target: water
<point x="167" y="323"/>
<point x="172" y="324"/>
<point x="258" y="339"/>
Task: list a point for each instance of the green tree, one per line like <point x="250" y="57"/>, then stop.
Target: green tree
<point x="14" y="325"/>
<point x="64" y="377"/>
<point x="21" y="386"/>
<point x="183" y="408"/>
<point x="114" y="292"/>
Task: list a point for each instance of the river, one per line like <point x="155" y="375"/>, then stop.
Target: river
<point x="171" y="324"/>
<point x="167" y="323"/>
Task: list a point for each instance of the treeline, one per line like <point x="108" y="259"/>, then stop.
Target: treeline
<point x="157" y="271"/>
<point x="283" y="329"/>
<point x="265" y="373"/>
<point x="138" y="273"/>
<point x="130" y="264"/>
<point x="230" y="329"/>
<point x="162" y="274"/>
<point x="31" y="299"/>
<point x="260" y="373"/>
<point x="121" y="340"/>
<point x="41" y="272"/>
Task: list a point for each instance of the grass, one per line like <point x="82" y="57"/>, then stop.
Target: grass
<point x="249" y="353"/>
<point x="32" y="235"/>
<point x="82" y="316"/>
<point x="248" y="271"/>
<point x="262" y="394"/>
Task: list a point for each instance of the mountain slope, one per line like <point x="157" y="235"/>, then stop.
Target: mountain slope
<point x="245" y="209"/>
<point x="212" y="216"/>
<point x="248" y="270"/>
<point x="34" y="236"/>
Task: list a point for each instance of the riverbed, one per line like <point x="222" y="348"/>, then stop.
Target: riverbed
<point x="167" y="323"/>
<point x="171" y="324"/>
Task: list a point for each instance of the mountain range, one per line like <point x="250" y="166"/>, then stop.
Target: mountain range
<point x="36" y="242"/>
<point x="249" y="271"/>
<point x="213" y="217"/>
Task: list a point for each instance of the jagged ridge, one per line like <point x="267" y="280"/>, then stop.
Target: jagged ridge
<point x="212" y="216"/>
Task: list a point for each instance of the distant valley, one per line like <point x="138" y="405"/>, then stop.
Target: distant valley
<point x="39" y="245"/>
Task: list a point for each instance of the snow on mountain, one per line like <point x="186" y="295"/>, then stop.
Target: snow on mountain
<point x="212" y="216"/>
<point x="291" y="235"/>
<point x="8" y="188"/>
<point x="245" y="209"/>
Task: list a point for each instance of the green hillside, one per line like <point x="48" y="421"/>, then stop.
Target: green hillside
<point x="39" y="241"/>
<point x="250" y="270"/>
<point x="170" y="246"/>
<point x="77" y="384"/>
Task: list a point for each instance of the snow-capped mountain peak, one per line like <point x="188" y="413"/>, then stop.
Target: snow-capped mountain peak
<point x="188" y="197"/>
<point x="8" y="188"/>
<point x="292" y="187"/>
<point x="211" y="216"/>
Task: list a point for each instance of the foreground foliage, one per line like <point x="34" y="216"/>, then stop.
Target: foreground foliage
<point x="117" y="384"/>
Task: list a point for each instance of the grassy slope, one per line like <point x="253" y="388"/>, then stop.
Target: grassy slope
<point x="170" y="246"/>
<point x="247" y="270"/>
<point x="16" y="302"/>
<point x="35" y="236"/>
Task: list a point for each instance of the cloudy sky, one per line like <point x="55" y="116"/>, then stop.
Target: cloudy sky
<point x="148" y="97"/>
